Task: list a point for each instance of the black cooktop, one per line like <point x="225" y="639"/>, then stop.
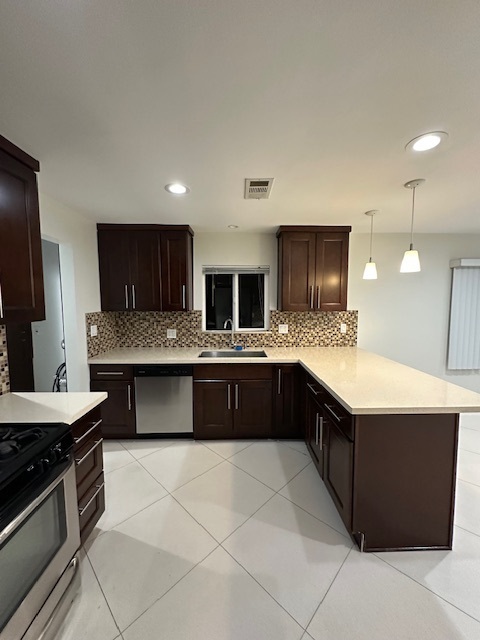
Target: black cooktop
<point x="25" y="445"/>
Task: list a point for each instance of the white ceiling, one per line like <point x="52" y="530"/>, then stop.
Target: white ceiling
<point x="116" y="98"/>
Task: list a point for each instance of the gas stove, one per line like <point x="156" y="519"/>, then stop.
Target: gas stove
<point x="28" y="455"/>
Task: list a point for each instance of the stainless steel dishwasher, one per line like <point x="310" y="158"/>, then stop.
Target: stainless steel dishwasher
<point x="164" y="399"/>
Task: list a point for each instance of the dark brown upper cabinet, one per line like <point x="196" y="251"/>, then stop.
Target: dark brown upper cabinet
<point x="145" y="267"/>
<point x="312" y="268"/>
<point x="177" y="270"/>
<point x="21" y="272"/>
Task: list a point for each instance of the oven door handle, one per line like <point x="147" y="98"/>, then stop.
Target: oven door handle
<point x="17" y="521"/>
<point x="78" y="461"/>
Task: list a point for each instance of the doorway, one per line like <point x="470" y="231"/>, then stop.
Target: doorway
<point x="48" y="336"/>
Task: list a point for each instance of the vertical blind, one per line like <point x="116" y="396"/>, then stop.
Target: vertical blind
<point x="464" y="334"/>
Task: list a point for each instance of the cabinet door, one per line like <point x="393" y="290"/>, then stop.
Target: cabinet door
<point x="315" y="432"/>
<point x="212" y="410"/>
<point x="144" y="254"/>
<point x="331" y="272"/>
<point x="114" y="266"/>
<point x="252" y="402"/>
<point x="118" y="410"/>
<point x="287" y="402"/>
<point x="297" y="271"/>
<point x="338" y="472"/>
<point x="176" y="251"/>
<point x="21" y="272"/>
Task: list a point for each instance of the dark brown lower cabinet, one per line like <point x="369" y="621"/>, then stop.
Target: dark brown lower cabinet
<point x="391" y="477"/>
<point x="338" y="468"/>
<point x="286" y="390"/>
<point x="118" y="410"/>
<point x="231" y="401"/>
<point x="88" y="457"/>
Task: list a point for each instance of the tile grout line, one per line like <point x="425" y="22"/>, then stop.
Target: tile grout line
<point x="219" y="454"/>
<point x="467" y="530"/>
<point x="263" y="588"/>
<point x="467" y="481"/>
<point x="101" y="589"/>
<point x="170" y="588"/>
<point x="425" y="587"/>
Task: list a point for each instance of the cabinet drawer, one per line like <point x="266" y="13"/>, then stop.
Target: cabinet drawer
<point x="91" y="507"/>
<point x="339" y="415"/>
<point x="88" y="463"/>
<point x="84" y="428"/>
<point x="111" y="372"/>
<point x="233" y="372"/>
<point x="315" y="389"/>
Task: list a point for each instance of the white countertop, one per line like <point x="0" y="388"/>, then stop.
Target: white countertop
<point x="47" y="407"/>
<point x="363" y="382"/>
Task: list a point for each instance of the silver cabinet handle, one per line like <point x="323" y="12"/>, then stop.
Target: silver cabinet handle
<point x="279" y="385"/>
<point x="184" y="294"/>
<point x="236" y="396"/>
<point x="99" y="487"/>
<point x="318" y="297"/>
<point x="1" y="302"/>
<point x="133" y="296"/>
<point x="78" y="461"/>
<point x="82" y="437"/>
<point x="321" y="433"/>
<point x="129" y="397"/>
<point x="126" y="296"/>
<point x="312" y="388"/>
<point x="311" y="296"/>
<point x="229" y="406"/>
<point x="316" y="428"/>
<point x="110" y="373"/>
<point x="337" y="418"/>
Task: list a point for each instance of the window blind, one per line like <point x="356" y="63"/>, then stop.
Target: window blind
<point x="464" y="333"/>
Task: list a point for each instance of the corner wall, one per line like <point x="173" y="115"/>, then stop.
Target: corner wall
<point x="405" y="316"/>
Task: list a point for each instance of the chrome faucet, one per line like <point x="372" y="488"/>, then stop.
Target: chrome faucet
<point x="225" y="326"/>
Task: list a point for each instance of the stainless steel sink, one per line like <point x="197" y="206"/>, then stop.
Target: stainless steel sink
<point x="233" y="354"/>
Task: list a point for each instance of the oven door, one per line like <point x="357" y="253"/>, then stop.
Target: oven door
<point x="35" y="550"/>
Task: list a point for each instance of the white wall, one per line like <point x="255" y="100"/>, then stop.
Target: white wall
<point x="77" y="238"/>
<point x="234" y="249"/>
<point x="404" y="316"/>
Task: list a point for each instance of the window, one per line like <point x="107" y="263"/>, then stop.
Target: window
<point x="236" y="293"/>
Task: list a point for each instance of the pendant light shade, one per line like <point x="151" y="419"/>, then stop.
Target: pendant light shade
<point x="410" y="262"/>
<point x="370" y="271"/>
<point x="411" y="259"/>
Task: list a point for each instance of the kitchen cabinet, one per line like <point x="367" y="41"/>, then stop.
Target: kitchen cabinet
<point x="21" y="272"/>
<point x="315" y="423"/>
<point x="312" y="268"/>
<point x="177" y="269"/>
<point x="20" y="356"/>
<point x="391" y="487"/>
<point x="287" y="421"/>
<point x="231" y="401"/>
<point x="145" y="267"/>
<point x="88" y="457"/>
<point x="118" y="410"/>
<point x="129" y="263"/>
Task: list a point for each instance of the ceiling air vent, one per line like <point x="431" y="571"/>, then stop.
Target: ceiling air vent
<point x="258" y="188"/>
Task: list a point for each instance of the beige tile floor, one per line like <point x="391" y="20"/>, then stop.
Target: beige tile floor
<point x="240" y="540"/>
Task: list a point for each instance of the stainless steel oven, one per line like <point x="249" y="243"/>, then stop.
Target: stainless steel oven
<point x="38" y="567"/>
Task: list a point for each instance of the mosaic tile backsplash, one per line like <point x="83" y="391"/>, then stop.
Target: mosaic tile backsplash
<point x="4" y="377"/>
<point x="149" y="329"/>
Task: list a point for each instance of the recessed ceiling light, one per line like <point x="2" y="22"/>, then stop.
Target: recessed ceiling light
<point x="233" y="226"/>
<point x="426" y="141"/>
<point x="177" y="189"/>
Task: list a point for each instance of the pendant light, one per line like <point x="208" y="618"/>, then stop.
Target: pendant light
<point x="411" y="261"/>
<point x="370" y="271"/>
